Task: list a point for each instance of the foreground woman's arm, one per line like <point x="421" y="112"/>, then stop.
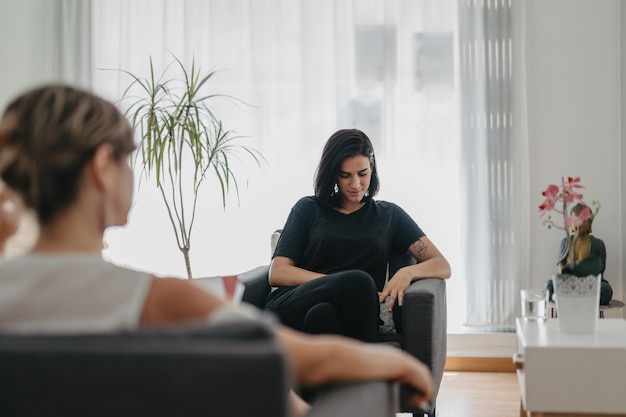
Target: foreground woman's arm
<point x="315" y="360"/>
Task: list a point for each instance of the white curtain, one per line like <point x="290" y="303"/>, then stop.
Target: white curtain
<point x="72" y="41"/>
<point x="495" y="160"/>
<point x="305" y="68"/>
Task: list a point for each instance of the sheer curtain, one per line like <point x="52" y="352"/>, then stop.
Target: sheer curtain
<point x="495" y="160"/>
<point x="440" y="94"/>
<point x="72" y="41"/>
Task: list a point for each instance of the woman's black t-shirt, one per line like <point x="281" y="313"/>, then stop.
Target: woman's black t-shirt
<point x="323" y="240"/>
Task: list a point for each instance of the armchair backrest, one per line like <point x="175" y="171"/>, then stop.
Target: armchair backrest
<point x="190" y="371"/>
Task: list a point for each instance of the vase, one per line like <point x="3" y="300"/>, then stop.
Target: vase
<point x="577" y="302"/>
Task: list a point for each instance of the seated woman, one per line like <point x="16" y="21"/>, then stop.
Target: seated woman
<point x="579" y="246"/>
<point x="65" y="153"/>
<point x="330" y="265"/>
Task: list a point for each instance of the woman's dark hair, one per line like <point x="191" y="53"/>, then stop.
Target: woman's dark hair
<point x="47" y="137"/>
<point x="341" y="145"/>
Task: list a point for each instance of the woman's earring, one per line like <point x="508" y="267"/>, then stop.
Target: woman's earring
<point x="367" y="193"/>
<point x="336" y="189"/>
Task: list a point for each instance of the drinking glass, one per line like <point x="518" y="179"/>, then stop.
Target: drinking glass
<point x="534" y="304"/>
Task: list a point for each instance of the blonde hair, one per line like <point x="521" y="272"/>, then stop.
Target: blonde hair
<point x="48" y="135"/>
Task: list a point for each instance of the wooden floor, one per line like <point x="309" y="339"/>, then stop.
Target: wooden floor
<point x="473" y="394"/>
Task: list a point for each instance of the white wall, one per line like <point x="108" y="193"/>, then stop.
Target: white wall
<point x="26" y="46"/>
<point x="573" y="80"/>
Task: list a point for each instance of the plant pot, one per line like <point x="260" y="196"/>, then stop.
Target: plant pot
<point x="577" y="302"/>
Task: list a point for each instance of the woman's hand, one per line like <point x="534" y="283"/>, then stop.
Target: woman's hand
<point x="396" y="287"/>
<point x="9" y="217"/>
<point x="430" y="264"/>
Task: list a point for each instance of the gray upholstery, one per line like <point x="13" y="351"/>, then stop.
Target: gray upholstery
<point x="424" y="322"/>
<point x="227" y="370"/>
<point x="424" y="318"/>
<point x="375" y="398"/>
<point x="181" y="371"/>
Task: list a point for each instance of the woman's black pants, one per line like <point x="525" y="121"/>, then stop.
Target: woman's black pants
<point x="343" y="303"/>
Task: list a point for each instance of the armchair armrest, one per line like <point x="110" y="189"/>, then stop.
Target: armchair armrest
<point x="424" y="325"/>
<point x="363" y="399"/>
<point x="257" y="285"/>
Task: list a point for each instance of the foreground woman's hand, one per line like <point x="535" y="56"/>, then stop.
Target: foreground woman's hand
<point x="9" y="217"/>
<point x="317" y="360"/>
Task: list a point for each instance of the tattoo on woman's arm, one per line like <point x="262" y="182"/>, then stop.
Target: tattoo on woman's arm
<point x="420" y="248"/>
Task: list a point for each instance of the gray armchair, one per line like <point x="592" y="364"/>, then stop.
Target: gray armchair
<point x="227" y="370"/>
<point x="421" y="323"/>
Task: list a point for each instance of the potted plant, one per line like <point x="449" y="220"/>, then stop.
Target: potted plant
<point x="182" y="142"/>
<point x="577" y="285"/>
<point x="558" y="198"/>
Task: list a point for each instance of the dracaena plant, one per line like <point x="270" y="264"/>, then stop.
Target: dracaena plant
<point x="558" y="199"/>
<point x="182" y="142"/>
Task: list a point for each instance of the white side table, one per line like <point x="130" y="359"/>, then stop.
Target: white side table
<point x="564" y="374"/>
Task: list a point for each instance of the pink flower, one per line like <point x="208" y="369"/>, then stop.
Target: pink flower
<point x="569" y="192"/>
<point x="577" y="219"/>
<point x="552" y="197"/>
<point x="585" y="214"/>
<point x="558" y="198"/>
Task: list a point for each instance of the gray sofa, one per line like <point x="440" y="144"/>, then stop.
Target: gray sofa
<point x="225" y="370"/>
<point x="421" y="324"/>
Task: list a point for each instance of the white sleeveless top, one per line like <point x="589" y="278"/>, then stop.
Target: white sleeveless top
<point x="73" y="293"/>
